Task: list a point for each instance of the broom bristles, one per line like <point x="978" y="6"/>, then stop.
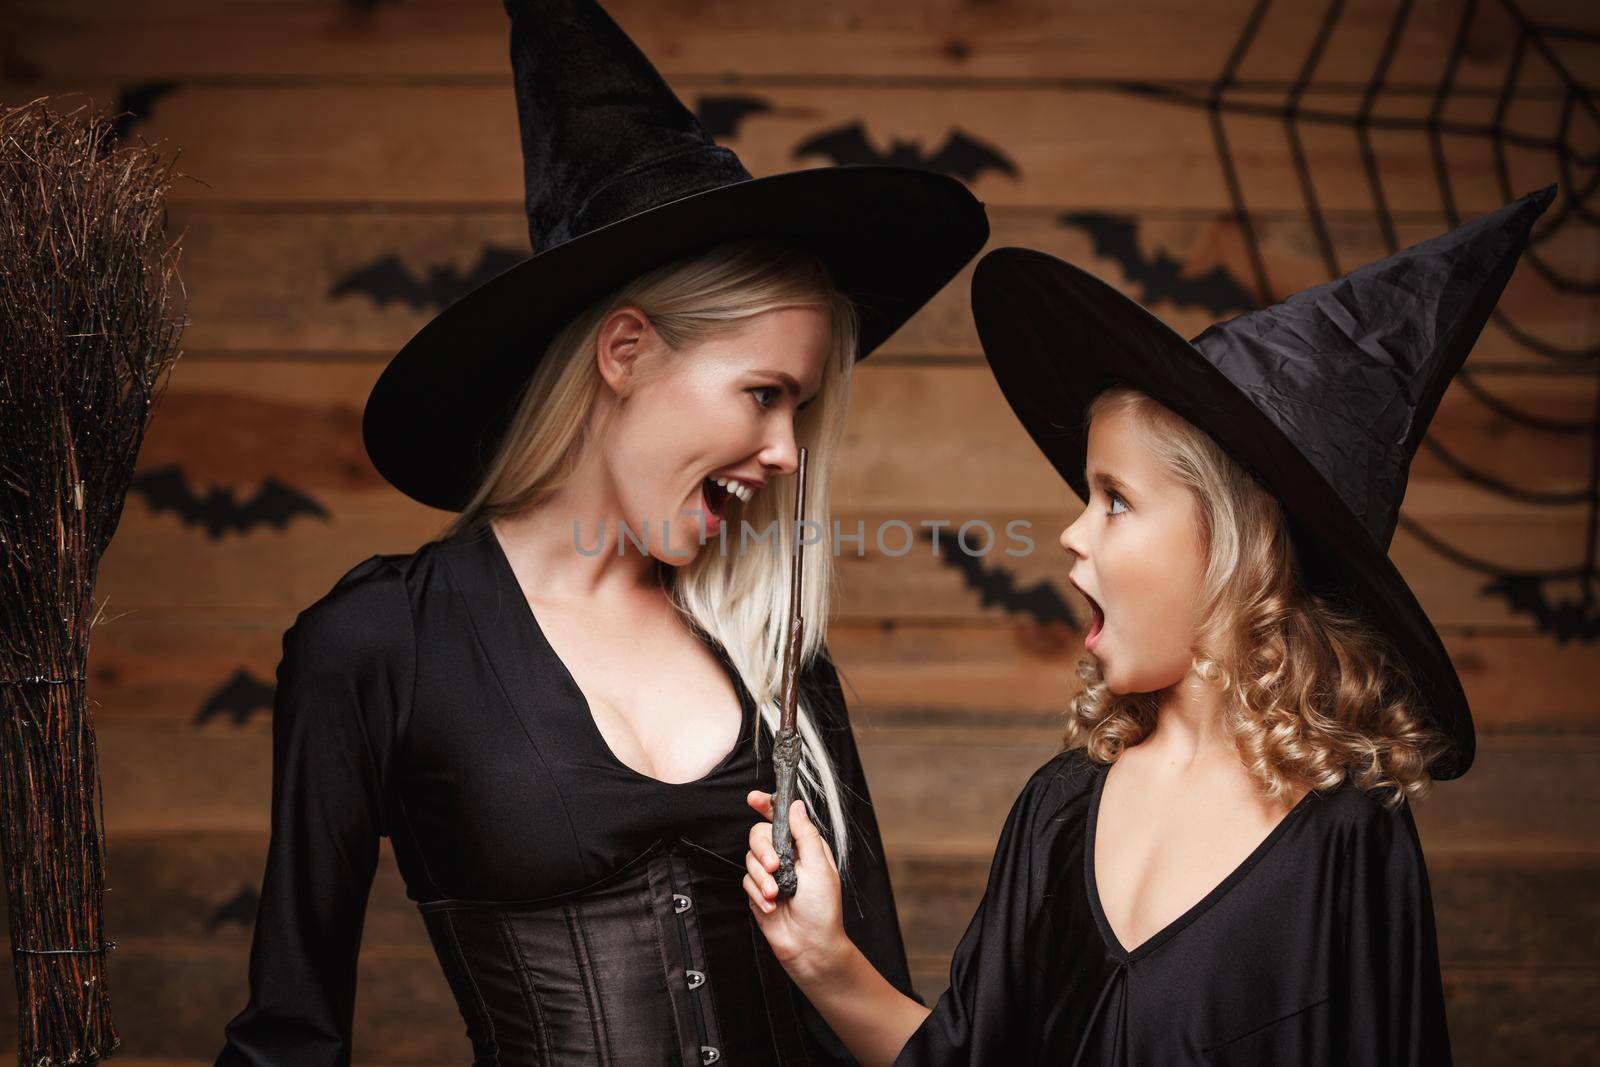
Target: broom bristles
<point x="88" y="340"/>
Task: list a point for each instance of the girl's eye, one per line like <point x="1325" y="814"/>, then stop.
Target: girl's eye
<point x="1118" y="505"/>
<point x="765" y="389"/>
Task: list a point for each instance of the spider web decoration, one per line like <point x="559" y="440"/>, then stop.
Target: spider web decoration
<point x="1525" y="591"/>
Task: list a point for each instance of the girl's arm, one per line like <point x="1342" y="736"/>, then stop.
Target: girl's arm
<point x="806" y="932"/>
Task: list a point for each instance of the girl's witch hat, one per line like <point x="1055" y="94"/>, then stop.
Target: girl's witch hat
<point x="1323" y="397"/>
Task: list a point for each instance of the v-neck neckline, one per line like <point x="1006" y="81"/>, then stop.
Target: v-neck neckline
<point x="1177" y="925"/>
<point x="585" y="713"/>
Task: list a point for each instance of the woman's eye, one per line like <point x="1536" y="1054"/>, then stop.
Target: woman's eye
<point x="1118" y="505"/>
<point x="765" y="389"/>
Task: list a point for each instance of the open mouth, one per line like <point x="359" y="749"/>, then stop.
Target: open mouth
<point x="1096" y="625"/>
<point x="1097" y="620"/>
<point x="716" y="498"/>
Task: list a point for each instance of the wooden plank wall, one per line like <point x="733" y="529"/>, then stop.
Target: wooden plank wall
<point x="326" y="139"/>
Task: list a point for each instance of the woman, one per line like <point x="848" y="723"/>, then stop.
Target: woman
<point x="555" y="710"/>
<point x="1221" y="867"/>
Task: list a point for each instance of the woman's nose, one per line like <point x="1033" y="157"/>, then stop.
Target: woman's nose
<point x="780" y="454"/>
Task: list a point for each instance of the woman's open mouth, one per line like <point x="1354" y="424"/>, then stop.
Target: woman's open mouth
<point x="716" y="498"/>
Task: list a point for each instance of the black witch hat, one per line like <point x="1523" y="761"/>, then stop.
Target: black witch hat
<point x="620" y="177"/>
<point x="1323" y="397"/>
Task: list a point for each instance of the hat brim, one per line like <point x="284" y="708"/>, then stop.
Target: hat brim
<point x="1056" y="336"/>
<point x="891" y="236"/>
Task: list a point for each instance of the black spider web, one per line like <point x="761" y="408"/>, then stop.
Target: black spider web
<point x="1526" y="590"/>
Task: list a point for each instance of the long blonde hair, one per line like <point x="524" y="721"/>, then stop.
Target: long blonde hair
<point x="739" y="597"/>
<point x="1314" y="693"/>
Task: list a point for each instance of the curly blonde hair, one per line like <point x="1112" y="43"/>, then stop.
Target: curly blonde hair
<point x="1313" y="693"/>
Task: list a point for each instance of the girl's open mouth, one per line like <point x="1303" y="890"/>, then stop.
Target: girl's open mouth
<point x="1097" y="621"/>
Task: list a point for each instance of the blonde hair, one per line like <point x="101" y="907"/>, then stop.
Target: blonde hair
<point x="1314" y="693"/>
<point x="739" y="597"/>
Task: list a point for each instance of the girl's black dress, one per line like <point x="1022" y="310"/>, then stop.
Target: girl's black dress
<point x="583" y="913"/>
<point x="1318" y="949"/>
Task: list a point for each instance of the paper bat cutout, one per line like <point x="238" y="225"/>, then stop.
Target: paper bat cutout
<point x="1161" y="276"/>
<point x="141" y="101"/>
<point x="996" y="585"/>
<point x="1566" y="620"/>
<point x="721" y="115"/>
<point x="274" y="504"/>
<point x="240" y="910"/>
<point x="239" y="698"/>
<point x="961" y="156"/>
<point x="388" y="280"/>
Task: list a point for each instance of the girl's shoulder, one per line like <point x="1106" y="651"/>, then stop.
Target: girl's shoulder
<point x="1063" y="782"/>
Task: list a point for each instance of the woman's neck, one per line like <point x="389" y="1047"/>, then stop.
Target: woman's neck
<point x="567" y="546"/>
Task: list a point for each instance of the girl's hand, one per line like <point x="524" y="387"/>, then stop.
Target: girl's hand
<point x="806" y="931"/>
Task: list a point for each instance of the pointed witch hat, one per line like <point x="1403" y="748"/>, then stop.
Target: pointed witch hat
<point x="1323" y="397"/>
<point x="620" y="178"/>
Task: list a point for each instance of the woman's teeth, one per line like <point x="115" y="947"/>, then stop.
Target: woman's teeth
<point x="738" y="489"/>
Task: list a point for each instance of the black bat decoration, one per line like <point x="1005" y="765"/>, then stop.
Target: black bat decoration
<point x="996" y="585"/>
<point x="140" y="100"/>
<point x="961" y="156"/>
<point x="1161" y="276"/>
<point x="274" y="504"/>
<point x="1566" y="620"/>
<point x="240" y="910"/>
<point x="239" y="698"/>
<point x="388" y="280"/>
<point x="721" y="115"/>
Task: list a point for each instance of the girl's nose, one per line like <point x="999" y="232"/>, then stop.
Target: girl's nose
<point x="1072" y="537"/>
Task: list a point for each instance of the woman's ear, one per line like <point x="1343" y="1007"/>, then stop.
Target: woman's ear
<point x="619" y="342"/>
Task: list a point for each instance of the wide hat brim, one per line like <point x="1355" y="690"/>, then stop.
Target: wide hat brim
<point x="1056" y="336"/>
<point x="891" y="236"/>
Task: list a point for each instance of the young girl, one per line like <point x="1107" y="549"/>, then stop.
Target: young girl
<point x="1221" y="867"/>
<point x="555" y="710"/>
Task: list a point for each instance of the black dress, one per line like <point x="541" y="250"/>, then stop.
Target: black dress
<point x="583" y="913"/>
<point x="1318" y="949"/>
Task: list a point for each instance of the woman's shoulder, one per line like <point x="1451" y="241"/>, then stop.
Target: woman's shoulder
<point x="364" y="615"/>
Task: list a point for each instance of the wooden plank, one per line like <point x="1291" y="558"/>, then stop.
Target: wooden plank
<point x="172" y="1003"/>
<point x="157" y="563"/>
<point x="197" y="891"/>
<point x="1496" y="1016"/>
<point x="965" y="781"/>
<point x="1490" y="910"/>
<point x="356" y="284"/>
<point x="457" y="144"/>
<point x="1152" y="39"/>
<point x="215" y="671"/>
<point x="1505" y="920"/>
<point x="174" y="778"/>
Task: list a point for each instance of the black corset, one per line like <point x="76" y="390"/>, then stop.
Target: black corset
<point x="661" y="963"/>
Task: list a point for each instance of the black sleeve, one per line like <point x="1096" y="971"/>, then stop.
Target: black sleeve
<point x="987" y="1014"/>
<point x="1389" y="1008"/>
<point x="870" y="917"/>
<point x="346" y="671"/>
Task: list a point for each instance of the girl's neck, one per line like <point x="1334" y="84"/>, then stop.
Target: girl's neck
<point x="1189" y="728"/>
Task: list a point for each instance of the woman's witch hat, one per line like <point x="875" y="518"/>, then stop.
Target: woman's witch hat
<point x="620" y="177"/>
